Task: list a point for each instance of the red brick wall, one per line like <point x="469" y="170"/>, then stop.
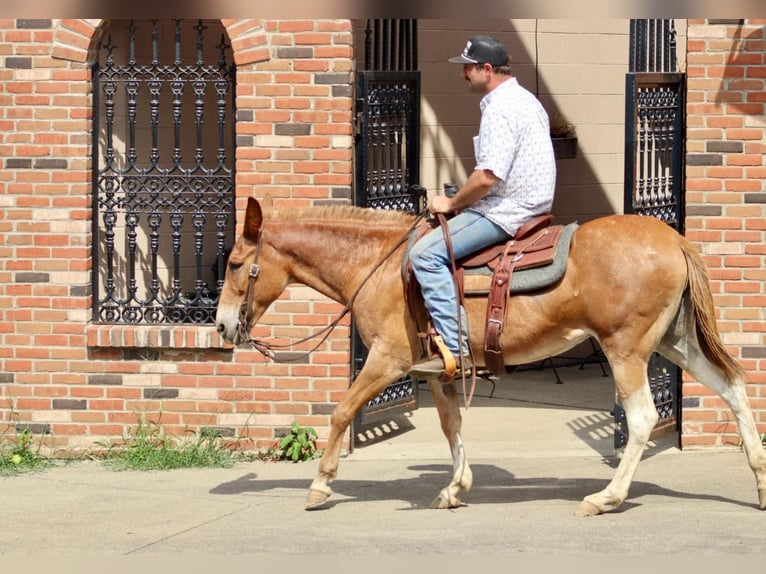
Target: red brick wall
<point x="84" y="383"/>
<point x="726" y="205"/>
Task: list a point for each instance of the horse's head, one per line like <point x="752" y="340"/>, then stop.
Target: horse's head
<point x="252" y="271"/>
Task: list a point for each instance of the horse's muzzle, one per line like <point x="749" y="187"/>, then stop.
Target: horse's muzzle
<point x="228" y="331"/>
<point x="224" y="332"/>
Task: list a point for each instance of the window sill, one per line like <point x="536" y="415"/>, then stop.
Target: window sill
<point x="155" y="336"/>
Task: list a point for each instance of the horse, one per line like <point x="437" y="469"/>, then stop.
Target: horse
<point x="631" y="282"/>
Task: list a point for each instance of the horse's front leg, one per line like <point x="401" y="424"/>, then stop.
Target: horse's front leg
<point x="447" y="405"/>
<point x="380" y="369"/>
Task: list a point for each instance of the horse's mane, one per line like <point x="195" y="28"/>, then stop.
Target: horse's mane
<point x="344" y="213"/>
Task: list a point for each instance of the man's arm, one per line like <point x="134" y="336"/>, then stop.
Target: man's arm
<point x="478" y="185"/>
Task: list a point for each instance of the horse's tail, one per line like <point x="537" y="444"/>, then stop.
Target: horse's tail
<point x="703" y="311"/>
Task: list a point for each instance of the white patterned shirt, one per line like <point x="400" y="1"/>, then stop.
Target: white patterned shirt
<point x="514" y="143"/>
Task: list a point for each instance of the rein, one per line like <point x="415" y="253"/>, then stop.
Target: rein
<point x="266" y="348"/>
<point x="441" y="218"/>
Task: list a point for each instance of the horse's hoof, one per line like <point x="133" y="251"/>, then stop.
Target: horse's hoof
<point x="762" y="498"/>
<point x="442" y="502"/>
<point x="316" y="498"/>
<point x="587" y="508"/>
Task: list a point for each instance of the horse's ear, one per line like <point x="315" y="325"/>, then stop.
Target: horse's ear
<point x="253" y="220"/>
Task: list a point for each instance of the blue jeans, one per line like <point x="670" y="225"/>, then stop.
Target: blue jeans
<point x="430" y="260"/>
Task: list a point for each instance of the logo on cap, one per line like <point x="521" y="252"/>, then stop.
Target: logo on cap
<point x="467" y="51"/>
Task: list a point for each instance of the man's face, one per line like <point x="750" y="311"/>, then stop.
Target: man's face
<point x="477" y="76"/>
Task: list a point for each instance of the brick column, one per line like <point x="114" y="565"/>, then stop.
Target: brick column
<point x="726" y="206"/>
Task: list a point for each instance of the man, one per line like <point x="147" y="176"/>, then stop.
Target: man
<point x="513" y="181"/>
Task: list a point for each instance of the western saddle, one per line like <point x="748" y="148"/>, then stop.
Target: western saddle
<point x="534" y="245"/>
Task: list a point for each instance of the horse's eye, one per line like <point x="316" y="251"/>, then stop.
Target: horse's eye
<point x="234" y="266"/>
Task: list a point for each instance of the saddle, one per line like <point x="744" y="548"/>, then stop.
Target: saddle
<point x="534" y="245"/>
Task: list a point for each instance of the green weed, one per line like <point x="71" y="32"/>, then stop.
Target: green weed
<point x="299" y="445"/>
<point x="18" y="454"/>
<point x="150" y="448"/>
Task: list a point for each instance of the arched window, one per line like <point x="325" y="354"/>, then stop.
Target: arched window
<point x="163" y="161"/>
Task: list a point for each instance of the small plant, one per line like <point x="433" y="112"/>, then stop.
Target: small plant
<point x="18" y="455"/>
<point x="561" y="127"/>
<point x="299" y="445"/>
<point x="150" y="448"/>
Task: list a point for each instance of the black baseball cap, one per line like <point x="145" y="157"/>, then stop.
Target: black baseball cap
<point x="482" y="50"/>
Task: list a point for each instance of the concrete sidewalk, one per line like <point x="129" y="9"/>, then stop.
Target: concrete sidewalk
<point x="526" y="488"/>
<point x="680" y="502"/>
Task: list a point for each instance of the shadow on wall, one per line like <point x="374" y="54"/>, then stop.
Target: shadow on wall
<point x="589" y="184"/>
<point x="743" y="85"/>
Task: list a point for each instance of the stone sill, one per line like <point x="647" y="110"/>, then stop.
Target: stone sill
<point x="565" y="147"/>
<point x="155" y="336"/>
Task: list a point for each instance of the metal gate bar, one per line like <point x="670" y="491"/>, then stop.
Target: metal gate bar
<point x="391" y="45"/>
<point x="652" y="46"/>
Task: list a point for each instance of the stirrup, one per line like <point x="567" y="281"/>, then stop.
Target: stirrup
<point x="450" y="364"/>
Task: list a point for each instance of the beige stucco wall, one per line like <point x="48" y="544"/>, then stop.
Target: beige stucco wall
<point x="577" y="68"/>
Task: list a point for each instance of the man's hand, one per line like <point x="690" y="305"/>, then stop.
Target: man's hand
<point x="440" y="204"/>
<point x="479" y="183"/>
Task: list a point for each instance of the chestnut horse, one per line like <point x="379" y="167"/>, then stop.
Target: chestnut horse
<point x="631" y="282"/>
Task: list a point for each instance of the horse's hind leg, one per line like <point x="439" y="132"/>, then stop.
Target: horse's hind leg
<point x="446" y="400"/>
<point x="633" y="387"/>
<point x="733" y="393"/>
<point x="735" y="396"/>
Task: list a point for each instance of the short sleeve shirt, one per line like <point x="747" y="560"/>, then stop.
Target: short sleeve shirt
<point x="514" y="143"/>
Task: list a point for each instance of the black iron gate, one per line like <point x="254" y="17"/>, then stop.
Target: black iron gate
<point x="163" y="164"/>
<point x="654" y="156"/>
<point x="387" y="170"/>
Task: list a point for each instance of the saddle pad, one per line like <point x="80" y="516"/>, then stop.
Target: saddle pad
<point x="477" y="281"/>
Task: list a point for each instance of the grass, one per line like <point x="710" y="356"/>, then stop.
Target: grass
<point x="150" y="448"/>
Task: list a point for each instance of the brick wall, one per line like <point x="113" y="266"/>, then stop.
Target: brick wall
<point x="81" y="383"/>
<point x="726" y="205"/>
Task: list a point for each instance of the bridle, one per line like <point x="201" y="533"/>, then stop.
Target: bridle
<point x="267" y="348"/>
<point x="246" y="309"/>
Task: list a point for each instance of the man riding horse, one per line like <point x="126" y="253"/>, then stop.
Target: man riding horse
<point x="513" y="181"/>
<point x="633" y="297"/>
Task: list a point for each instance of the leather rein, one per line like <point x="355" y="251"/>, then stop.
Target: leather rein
<point x="267" y="348"/>
<point x="468" y="397"/>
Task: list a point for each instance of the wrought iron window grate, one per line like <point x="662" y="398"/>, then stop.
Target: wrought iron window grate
<point x="387" y="138"/>
<point x="656" y="152"/>
<point x="654" y="164"/>
<point x="163" y="172"/>
<point x="654" y="120"/>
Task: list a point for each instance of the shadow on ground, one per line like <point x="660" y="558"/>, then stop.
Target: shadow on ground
<point x="492" y="485"/>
